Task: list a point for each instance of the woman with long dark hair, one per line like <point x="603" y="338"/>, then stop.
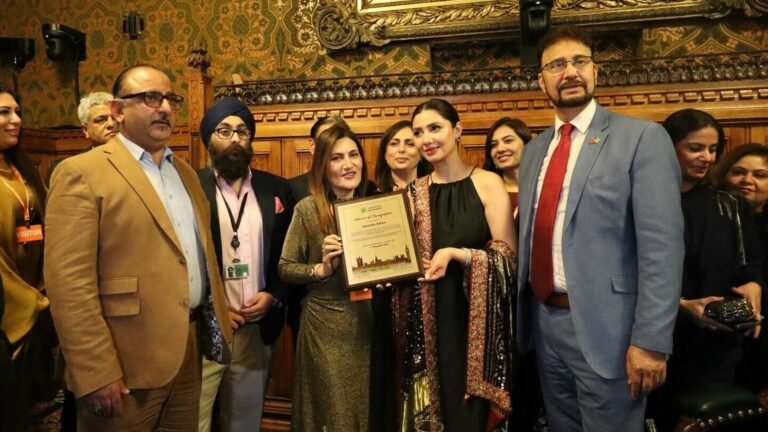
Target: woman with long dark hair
<point x="722" y="261"/>
<point x="333" y="350"/>
<point x="399" y="162"/>
<point x="503" y="148"/>
<point x="452" y="327"/>
<point x="26" y="321"/>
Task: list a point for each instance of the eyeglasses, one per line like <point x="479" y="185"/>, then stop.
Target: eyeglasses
<point x="226" y="133"/>
<point x="559" y="65"/>
<point x="154" y="99"/>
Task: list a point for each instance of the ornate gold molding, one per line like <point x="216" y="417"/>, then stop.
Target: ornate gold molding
<point x="700" y="95"/>
<point x="712" y="68"/>
<point x="342" y="24"/>
<point x="751" y="8"/>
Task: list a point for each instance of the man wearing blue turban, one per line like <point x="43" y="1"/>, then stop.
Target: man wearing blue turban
<point x="250" y="214"/>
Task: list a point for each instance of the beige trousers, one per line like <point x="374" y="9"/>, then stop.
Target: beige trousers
<point x="240" y="385"/>
<point x="171" y="408"/>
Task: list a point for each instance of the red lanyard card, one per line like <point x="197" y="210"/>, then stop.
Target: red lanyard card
<point x="359" y="295"/>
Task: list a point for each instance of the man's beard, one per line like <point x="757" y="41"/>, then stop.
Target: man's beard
<point x="573" y="102"/>
<point x="233" y="162"/>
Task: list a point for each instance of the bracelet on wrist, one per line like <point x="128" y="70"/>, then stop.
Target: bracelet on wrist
<point x="467" y="257"/>
<point x="313" y="274"/>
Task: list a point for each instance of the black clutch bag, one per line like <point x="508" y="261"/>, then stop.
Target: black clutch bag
<point x="731" y="312"/>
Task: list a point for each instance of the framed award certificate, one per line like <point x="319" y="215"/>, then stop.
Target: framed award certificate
<point x="378" y="239"/>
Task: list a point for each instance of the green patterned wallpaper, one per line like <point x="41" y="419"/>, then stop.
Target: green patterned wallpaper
<point x="734" y="35"/>
<point x="268" y="39"/>
<point x="258" y="39"/>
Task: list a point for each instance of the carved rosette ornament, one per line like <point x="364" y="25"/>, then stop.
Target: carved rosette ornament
<point x="198" y="59"/>
<point x="339" y="28"/>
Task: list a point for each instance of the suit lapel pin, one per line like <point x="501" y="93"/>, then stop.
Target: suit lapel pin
<point x="594" y="140"/>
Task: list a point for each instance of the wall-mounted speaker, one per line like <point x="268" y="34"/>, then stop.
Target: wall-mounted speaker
<point x="17" y="51"/>
<point x="63" y="43"/>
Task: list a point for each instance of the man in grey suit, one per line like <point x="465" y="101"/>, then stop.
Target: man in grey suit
<point x="601" y="249"/>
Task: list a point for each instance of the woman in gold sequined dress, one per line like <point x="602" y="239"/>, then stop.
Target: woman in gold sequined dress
<point x="333" y="352"/>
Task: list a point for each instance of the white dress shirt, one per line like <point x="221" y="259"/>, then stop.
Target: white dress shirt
<point x="581" y="123"/>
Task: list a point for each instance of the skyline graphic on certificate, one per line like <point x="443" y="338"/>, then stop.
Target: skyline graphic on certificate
<point x="378" y="238"/>
<point x="362" y="265"/>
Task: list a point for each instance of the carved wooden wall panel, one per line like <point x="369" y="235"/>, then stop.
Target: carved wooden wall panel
<point x="296" y="156"/>
<point x="45" y="146"/>
<point x="277" y="406"/>
<point x="267" y="156"/>
<point x="473" y="148"/>
<point x="371" y="150"/>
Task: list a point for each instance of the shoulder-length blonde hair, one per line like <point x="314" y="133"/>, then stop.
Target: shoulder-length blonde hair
<point x="319" y="186"/>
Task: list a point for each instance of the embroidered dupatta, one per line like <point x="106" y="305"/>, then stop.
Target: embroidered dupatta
<point x="489" y="284"/>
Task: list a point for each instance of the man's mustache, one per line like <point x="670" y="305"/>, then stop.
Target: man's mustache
<point x="572" y="84"/>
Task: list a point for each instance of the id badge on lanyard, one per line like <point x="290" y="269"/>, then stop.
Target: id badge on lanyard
<point x="235" y="269"/>
<point x="26" y="231"/>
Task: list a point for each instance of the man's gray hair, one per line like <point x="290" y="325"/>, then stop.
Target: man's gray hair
<point x="90" y="101"/>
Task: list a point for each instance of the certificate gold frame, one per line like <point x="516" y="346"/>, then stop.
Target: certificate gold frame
<point x="379" y="240"/>
<point x="343" y="24"/>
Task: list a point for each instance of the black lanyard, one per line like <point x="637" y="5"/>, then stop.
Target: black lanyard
<point x="235" y="223"/>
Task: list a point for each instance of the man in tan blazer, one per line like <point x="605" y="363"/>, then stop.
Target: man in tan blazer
<point x="135" y="288"/>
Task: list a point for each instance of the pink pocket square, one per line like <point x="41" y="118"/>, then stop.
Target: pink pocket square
<point x="279" y="208"/>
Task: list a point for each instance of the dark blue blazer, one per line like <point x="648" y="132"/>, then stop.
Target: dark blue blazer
<point x="267" y="186"/>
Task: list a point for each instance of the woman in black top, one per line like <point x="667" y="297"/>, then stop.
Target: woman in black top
<point x="722" y="260"/>
<point x="723" y="257"/>
<point x="744" y="171"/>
<point x="504" y="144"/>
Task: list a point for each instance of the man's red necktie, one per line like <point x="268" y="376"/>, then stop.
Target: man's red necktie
<point x="542" y="272"/>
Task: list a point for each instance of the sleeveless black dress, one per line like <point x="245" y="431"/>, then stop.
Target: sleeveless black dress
<point x="458" y="220"/>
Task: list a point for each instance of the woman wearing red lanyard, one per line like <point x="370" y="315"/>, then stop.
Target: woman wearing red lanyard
<point x="26" y="322"/>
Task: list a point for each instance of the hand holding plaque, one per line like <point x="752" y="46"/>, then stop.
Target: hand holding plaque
<point x="332" y="248"/>
<point x="378" y="240"/>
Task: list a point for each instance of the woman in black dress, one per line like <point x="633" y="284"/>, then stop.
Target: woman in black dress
<point x="466" y="239"/>
<point x="722" y="260"/>
<point x="744" y="171"/>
